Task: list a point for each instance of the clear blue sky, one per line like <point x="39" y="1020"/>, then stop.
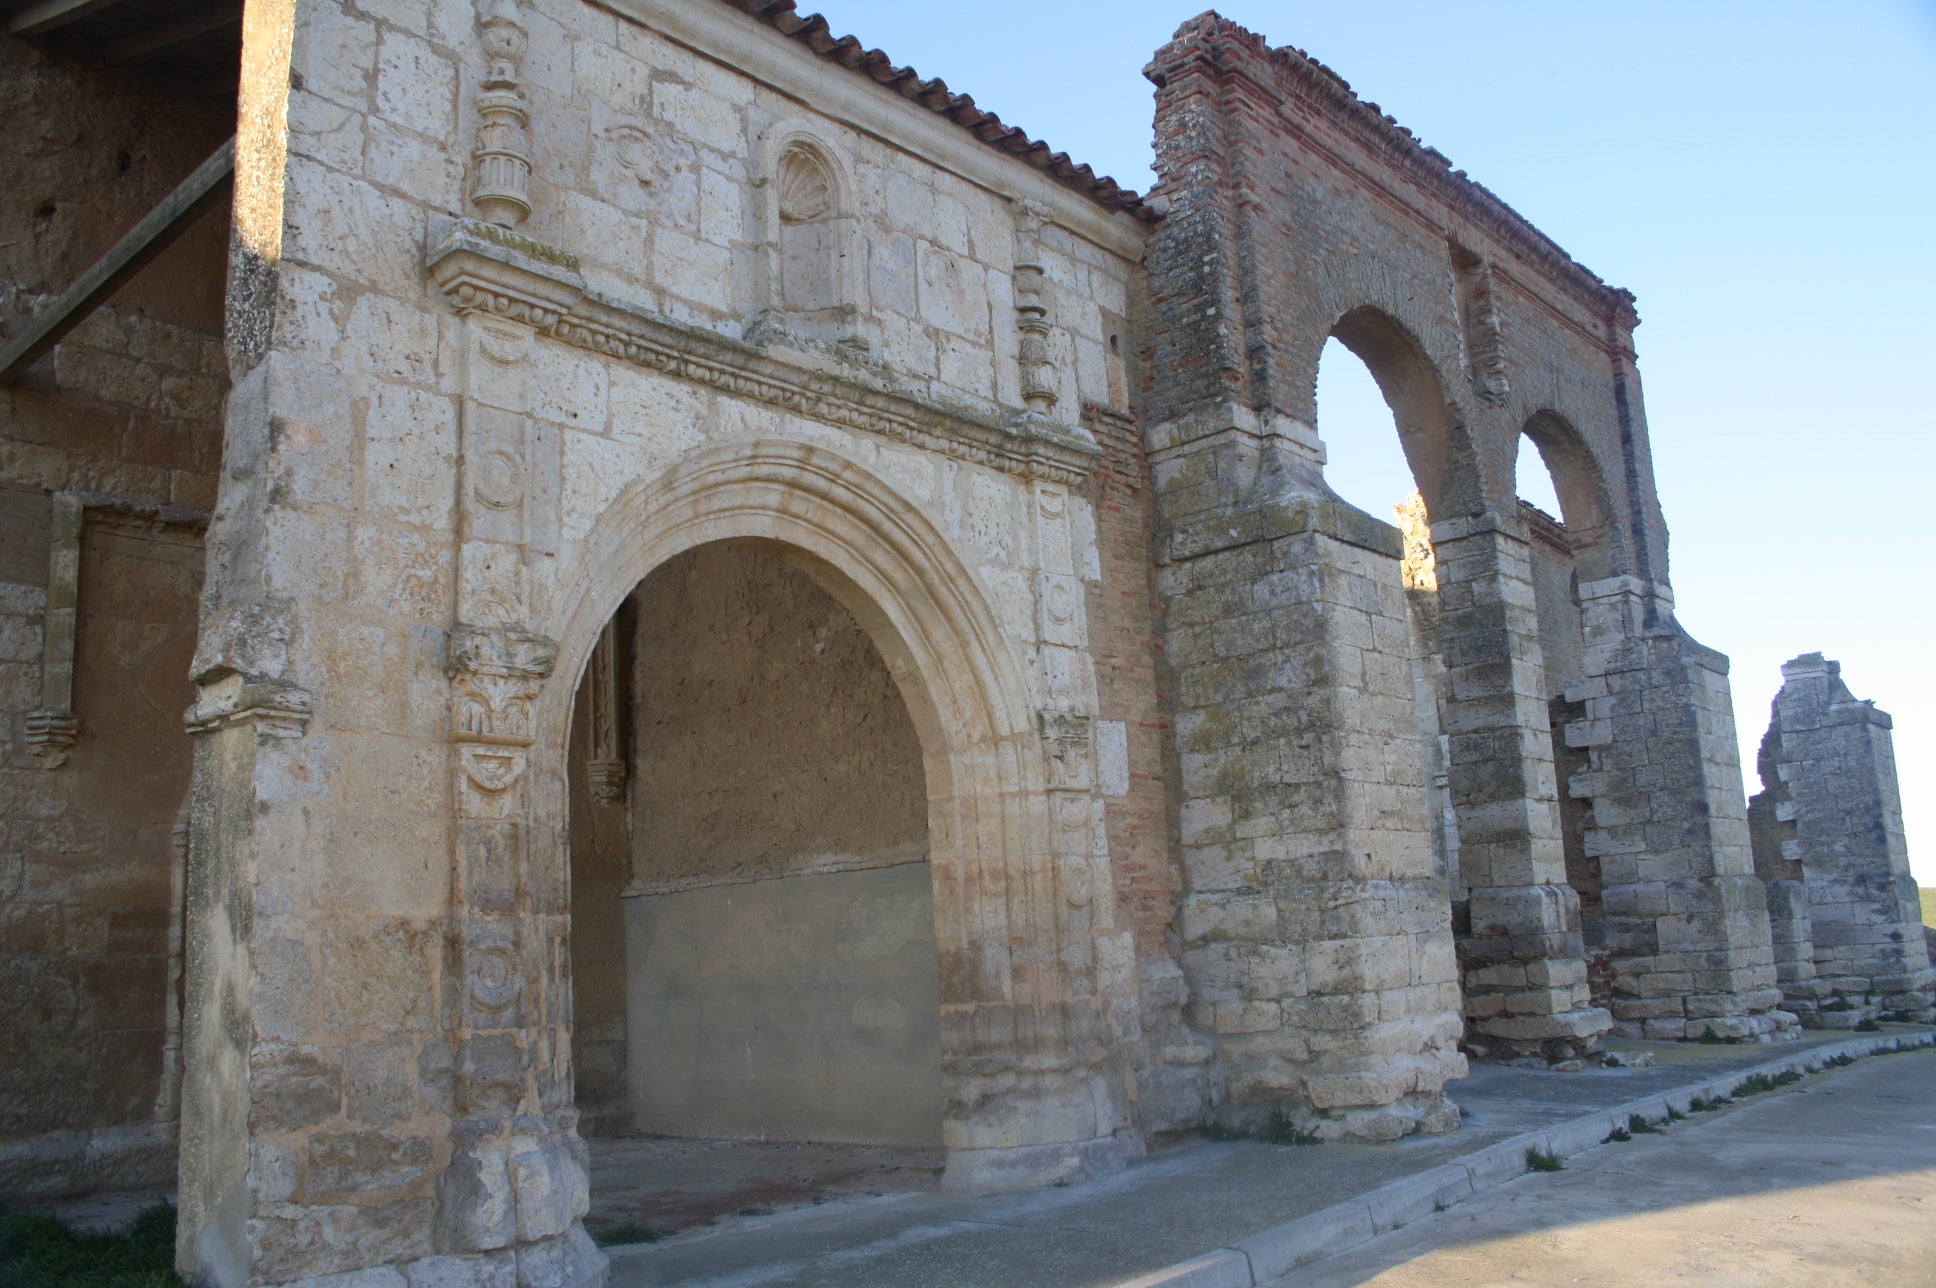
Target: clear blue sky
<point x="1762" y="175"/>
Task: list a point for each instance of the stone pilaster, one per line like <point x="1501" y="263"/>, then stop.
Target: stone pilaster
<point x="1828" y="763"/>
<point x="516" y="1182"/>
<point x="1685" y="916"/>
<point x="1524" y="962"/>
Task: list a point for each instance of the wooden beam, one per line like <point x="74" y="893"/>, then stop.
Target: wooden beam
<point x="48" y="15"/>
<point x="147" y="239"/>
<point x="143" y="45"/>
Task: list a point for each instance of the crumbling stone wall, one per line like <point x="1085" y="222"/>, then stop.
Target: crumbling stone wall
<point x="1298" y="213"/>
<point x="108" y="453"/>
<point x="1829" y="837"/>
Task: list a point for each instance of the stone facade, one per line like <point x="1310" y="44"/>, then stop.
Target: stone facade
<point x="693" y="532"/>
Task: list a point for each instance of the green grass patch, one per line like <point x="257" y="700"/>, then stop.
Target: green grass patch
<point x="624" y="1232"/>
<point x="1543" y="1160"/>
<point x="1280" y="1130"/>
<point x="1760" y="1082"/>
<point x="1705" y="1104"/>
<point x="40" y="1252"/>
<point x="1618" y="1134"/>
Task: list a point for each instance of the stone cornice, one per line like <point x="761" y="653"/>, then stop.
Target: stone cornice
<point x="1224" y="48"/>
<point x="487" y="270"/>
<point x="276" y="709"/>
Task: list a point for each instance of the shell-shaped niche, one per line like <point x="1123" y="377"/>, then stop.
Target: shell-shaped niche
<point x="806" y="187"/>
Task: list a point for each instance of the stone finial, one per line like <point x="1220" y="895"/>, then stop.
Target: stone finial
<point x="1032" y="309"/>
<point x="500" y="163"/>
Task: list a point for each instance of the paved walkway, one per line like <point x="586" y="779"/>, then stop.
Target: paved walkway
<point x="1170" y="1207"/>
<point x="1830" y="1182"/>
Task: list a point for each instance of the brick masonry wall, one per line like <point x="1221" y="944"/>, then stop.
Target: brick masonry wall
<point x="1127" y="647"/>
<point x="126" y="410"/>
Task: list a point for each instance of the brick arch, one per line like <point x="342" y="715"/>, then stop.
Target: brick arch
<point x="1013" y="1077"/>
<point x="1586" y="505"/>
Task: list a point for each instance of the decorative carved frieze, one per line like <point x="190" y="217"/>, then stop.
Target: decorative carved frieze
<point x="501" y="160"/>
<point x="487" y="271"/>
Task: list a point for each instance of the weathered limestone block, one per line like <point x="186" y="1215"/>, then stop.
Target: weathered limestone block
<point x="1682" y="912"/>
<point x="1316" y="935"/>
<point x="1521" y="946"/>
<point x="1829" y="823"/>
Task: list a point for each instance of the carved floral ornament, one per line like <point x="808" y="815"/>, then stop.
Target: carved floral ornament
<point x="1065" y="737"/>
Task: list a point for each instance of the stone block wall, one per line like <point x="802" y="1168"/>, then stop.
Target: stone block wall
<point x="1830" y="834"/>
<point x="108" y="453"/>
<point x="1685" y="919"/>
<point x="1315" y="930"/>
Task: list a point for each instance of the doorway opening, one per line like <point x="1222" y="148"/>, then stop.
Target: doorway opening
<point x="755" y="980"/>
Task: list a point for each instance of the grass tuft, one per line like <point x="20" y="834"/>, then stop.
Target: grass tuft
<point x="40" y="1252"/>
<point x="1543" y="1160"/>
<point x="1280" y="1130"/>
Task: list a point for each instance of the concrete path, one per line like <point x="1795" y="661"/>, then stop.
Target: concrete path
<point x="1254" y="1209"/>
<point x="1829" y="1182"/>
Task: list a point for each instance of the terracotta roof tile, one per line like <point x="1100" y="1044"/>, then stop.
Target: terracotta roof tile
<point x="813" y="32"/>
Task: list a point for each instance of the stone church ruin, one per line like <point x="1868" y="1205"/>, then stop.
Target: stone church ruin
<point x="584" y="566"/>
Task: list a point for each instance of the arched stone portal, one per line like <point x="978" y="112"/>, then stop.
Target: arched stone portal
<point x="753" y="951"/>
<point x="1029" y="1092"/>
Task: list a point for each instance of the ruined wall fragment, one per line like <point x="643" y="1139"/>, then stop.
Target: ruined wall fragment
<point x="1830" y="835"/>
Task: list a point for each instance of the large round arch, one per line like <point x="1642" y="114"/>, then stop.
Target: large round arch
<point x="1585" y="505"/>
<point x="1431" y="430"/>
<point x="1022" y="1103"/>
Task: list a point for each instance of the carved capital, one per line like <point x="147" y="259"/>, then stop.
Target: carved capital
<point x="276" y="709"/>
<point x="495" y="673"/>
<point x="51" y="735"/>
<point x="608" y="780"/>
<point x="1065" y="737"/>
